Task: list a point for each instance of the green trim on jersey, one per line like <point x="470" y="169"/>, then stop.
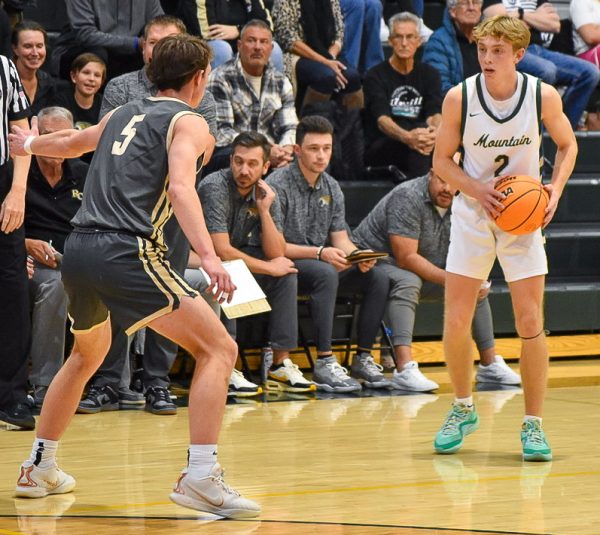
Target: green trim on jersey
<point x="463" y="109"/>
<point x="489" y="112"/>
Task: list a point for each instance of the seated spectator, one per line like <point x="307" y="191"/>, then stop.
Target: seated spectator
<point x="403" y="103"/>
<point x="243" y="217"/>
<point x="221" y="23"/>
<point x="315" y="231"/>
<point x="108" y="29"/>
<point x="311" y="32"/>
<point x="54" y="193"/>
<point x="585" y="15"/>
<point x="251" y="95"/>
<point x="412" y="223"/>
<point x="554" y="68"/>
<point x="362" y="23"/>
<point x="451" y="49"/>
<point x="135" y="85"/>
<point x="29" y="40"/>
<point x="83" y="99"/>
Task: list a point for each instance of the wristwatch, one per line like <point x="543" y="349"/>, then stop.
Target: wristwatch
<point x="521" y="12"/>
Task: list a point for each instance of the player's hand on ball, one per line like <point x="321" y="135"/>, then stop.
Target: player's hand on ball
<point x="489" y="198"/>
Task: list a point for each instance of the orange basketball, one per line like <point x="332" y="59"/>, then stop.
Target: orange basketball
<point x="524" y="204"/>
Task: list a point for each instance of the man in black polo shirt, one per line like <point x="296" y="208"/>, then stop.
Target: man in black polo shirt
<point x="54" y="193"/>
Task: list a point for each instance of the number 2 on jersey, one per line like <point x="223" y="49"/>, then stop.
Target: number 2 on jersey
<point x="502" y="159"/>
<point x="119" y="147"/>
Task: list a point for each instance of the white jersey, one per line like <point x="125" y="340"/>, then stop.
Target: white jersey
<point x="501" y="137"/>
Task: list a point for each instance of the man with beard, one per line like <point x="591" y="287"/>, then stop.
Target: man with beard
<point x="412" y="223"/>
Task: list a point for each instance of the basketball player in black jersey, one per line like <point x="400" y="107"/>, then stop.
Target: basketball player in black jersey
<point x="143" y="172"/>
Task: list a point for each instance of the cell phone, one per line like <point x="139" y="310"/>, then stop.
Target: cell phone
<point x="58" y="258"/>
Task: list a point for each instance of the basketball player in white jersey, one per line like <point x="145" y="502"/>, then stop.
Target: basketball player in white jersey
<point x="494" y="120"/>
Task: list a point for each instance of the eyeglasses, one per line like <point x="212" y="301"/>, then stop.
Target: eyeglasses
<point x="409" y="37"/>
<point x="466" y="3"/>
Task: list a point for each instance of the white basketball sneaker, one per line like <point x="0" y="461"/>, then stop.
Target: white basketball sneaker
<point x="34" y="482"/>
<point x="211" y="494"/>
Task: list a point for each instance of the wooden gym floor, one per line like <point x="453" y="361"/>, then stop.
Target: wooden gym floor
<point x="336" y="465"/>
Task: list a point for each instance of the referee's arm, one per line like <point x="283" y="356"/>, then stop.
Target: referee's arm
<point x="12" y="211"/>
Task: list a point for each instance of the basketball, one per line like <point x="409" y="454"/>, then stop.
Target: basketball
<point x="524" y="204"/>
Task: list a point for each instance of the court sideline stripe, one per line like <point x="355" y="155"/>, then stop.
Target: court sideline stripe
<point x="271" y="521"/>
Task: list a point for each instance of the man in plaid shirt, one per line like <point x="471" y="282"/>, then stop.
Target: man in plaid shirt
<point x="251" y="94"/>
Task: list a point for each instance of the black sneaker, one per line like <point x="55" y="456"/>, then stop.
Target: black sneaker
<point x="99" y="398"/>
<point x="39" y="393"/>
<point x="18" y="415"/>
<point x="158" y="400"/>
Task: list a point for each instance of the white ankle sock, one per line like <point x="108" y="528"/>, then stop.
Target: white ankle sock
<point x="528" y="417"/>
<point x="201" y="459"/>
<point x="465" y="401"/>
<point x="43" y="453"/>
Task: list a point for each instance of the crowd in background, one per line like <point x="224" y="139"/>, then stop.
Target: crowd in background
<point x="373" y="68"/>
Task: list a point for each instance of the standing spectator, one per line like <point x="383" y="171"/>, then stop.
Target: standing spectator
<point x="84" y="99"/>
<point x="221" y="23"/>
<point x="108" y="29"/>
<point x="554" y="68"/>
<point x="14" y="292"/>
<point x="243" y="217"/>
<point x="29" y="41"/>
<point x="451" y="49"/>
<point x="412" y="224"/>
<point x="316" y="236"/>
<point x="311" y="32"/>
<point x="54" y="193"/>
<point x="362" y="21"/>
<point x="250" y="94"/>
<point x="403" y="103"/>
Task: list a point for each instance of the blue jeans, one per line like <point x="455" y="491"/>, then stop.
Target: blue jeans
<point x="362" y="19"/>
<point x="223" y="52"/>
<point x="321" y="78"/>
<point x="554" y="68"/>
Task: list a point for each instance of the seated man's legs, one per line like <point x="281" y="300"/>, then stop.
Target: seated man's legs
<point x="558" y="69"/>
<point x="388" y="151"/>
<point x="282" y="293"/>
<point x="492" y="368"/>
<point x="374" y="287"/>
<point x="405" y="292"/>
<point x="319" y="280"/>
<point x="103" y="393"/>
<point x="48" y="323"/>
<point x="160" y="354"/>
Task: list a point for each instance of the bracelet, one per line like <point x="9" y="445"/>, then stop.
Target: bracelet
<point x="319" y="251"/>
<point x="27" y="144"/>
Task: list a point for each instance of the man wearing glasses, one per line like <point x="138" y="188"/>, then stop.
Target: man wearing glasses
<point x="451" y="48"/>
<point x="403" y="103"/>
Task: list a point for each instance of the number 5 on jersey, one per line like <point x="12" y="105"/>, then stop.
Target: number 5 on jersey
<point x="119" y="147"/>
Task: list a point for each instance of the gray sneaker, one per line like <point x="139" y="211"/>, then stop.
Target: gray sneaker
<point x="130" y="399"/>
<point x="332" y="377"/>
<point x="366" y="370"/>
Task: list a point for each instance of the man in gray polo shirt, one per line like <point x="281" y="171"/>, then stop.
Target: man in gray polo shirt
<point x="412" y="223"/>
<point x="244" y="220"/>
<point x="317" y="240"/>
